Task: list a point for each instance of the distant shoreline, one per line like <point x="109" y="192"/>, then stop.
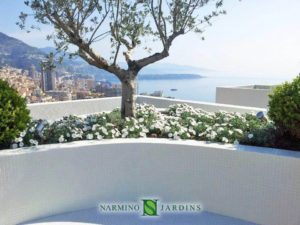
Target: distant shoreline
<point x="168" y="76"/>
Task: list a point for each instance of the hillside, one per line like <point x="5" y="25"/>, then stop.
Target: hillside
<point x="16" y="53"/>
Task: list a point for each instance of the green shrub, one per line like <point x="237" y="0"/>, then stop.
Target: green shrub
<point x="14" y="115"/>
<point x="264" y="136"/>
<point x="284" y="107"/>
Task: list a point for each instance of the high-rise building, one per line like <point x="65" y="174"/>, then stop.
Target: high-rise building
<point x="90" y="84"/>
<point x="48" y="77"/>
<point x="32" y="72"/>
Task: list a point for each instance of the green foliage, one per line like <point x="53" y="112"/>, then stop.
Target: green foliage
<point x="284" y="108"/>
<point x="264" y="136"/>
<point x="127" y="24"/>
<point x="14" y="115"/>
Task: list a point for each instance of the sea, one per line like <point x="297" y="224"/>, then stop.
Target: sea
<point x="203" y="89"/>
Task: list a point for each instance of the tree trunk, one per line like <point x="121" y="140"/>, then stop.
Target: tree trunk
<point x="128" y="107"/>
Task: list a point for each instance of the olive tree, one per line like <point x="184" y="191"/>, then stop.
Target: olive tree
<point x="127" y="24"/>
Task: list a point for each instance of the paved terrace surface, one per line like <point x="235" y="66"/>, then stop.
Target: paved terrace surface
<point x="92" y="216"/>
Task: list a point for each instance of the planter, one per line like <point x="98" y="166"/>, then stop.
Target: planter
<point x="255" y="184"/>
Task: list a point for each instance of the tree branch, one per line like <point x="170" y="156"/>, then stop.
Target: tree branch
<point x="161" y="55"/>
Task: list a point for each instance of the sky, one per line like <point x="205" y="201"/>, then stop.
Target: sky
<point x="255" y="38"/>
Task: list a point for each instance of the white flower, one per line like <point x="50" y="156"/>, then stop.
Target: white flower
<point x="201" y="134"/>
<point x="176" y="137"/>
<point x="141" y="120"/>
<point x="250" y="136"/>
<point x="21" y="144"/>
<point x="142" y="134"/>
<point x="167" y="129"/>
<point x="22" y="134"/>
<point x="90" y="136"/>
<point x="239" y="131"/>
<point x="192" y="132"/>
<point x="32" y="129"/>
<point x="18" y="139"/>
<point x="224" y="139"/>
<point x="213" y="134"/>
<point x="131" y="129"/>
<point x="124" y="134"/>
<point x="220" y="129"/>
<point x="236" y="142"/>
<point x="31" y="141"/>
<point x="208" y="129"/>
<point x="127" y="119"/>
<point x="61" y="139"/>
<point x="99" y="137"/>
<point x="14" y="146"/>
<point x="170" y="135"/>
<point x="68" y="135"/>
<point x="94" y="127"/>
<point x="230" y="132"/>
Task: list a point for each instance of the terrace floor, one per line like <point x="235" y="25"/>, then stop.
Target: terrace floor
<point x="91" y="216"/>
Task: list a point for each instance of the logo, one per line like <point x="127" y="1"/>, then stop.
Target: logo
<point x="150" y="207"/>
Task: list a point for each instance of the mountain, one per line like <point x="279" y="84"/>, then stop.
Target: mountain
<point x="17" y="54"/>
<point x="168" y="76"/>
<point x="152" y="69"/>
<point x="170" y="68"/>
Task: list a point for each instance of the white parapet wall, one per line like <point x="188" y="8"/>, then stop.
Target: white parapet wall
<point x="252" y="95"/>
<point x="242" y="182"/>
<point x="207" y="106"/>
<point x="56" y="110"/>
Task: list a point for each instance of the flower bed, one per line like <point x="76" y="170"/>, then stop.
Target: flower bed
<point x="177" y="122"/>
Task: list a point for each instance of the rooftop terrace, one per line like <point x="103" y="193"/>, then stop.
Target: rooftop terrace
<point x="64" y="183"/>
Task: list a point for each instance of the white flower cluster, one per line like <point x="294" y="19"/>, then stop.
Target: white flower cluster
<point x="180" y="121"/>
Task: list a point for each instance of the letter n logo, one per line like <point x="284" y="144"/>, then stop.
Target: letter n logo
<point x="150" y="207"/>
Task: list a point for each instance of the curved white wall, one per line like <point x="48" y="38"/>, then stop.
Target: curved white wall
<point x="56" y="110"/>
<point x="52" y="179"/>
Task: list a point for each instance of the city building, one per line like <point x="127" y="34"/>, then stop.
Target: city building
<point x="48" y="77"/>
<point x="90" y="84"/>
<point x="155" y="94"/>
<point x="59" y="95"/>
<point x="111" y="90"/>
<point x="32" y="72"/>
